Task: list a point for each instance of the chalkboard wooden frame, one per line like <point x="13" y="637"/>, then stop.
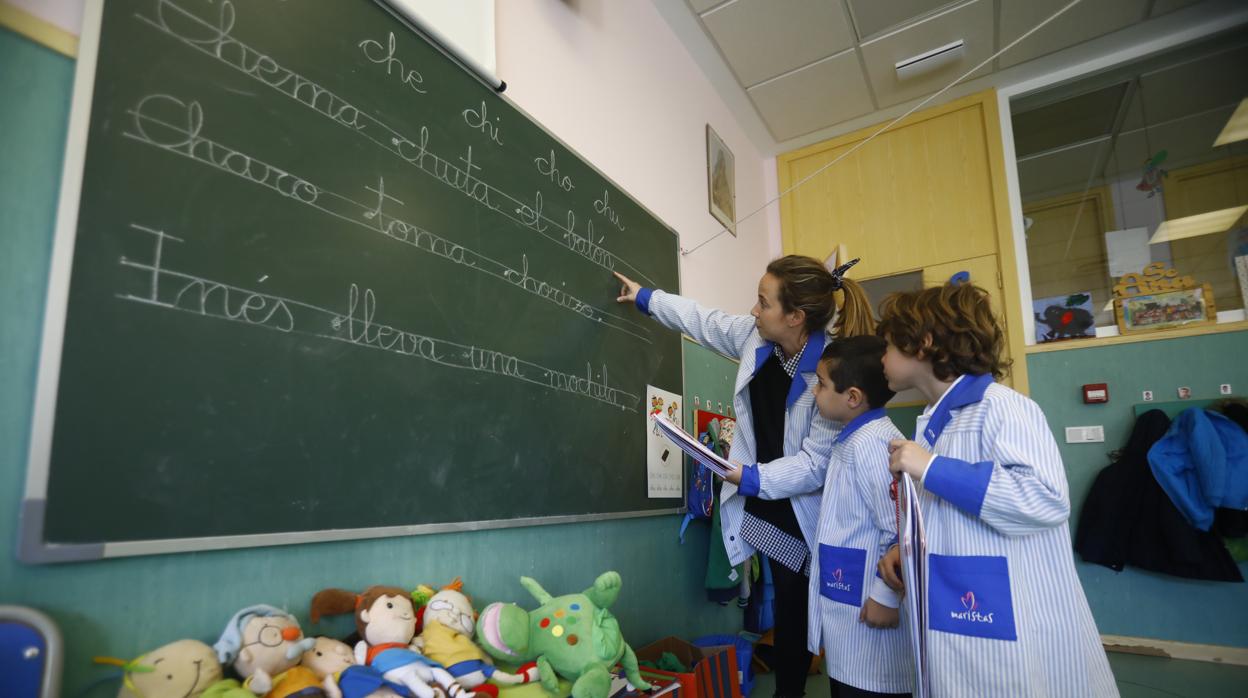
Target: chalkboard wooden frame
<point x="32" y="546"/>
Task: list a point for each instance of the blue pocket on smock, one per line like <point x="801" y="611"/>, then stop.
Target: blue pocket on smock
<point x="970" y="595"/>
<point x="841" y="571"/>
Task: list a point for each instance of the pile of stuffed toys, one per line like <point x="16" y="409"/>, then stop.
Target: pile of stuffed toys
<point x="416" y="644"/>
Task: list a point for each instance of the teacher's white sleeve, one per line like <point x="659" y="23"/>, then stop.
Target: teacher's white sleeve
<point x="724" y="333"/>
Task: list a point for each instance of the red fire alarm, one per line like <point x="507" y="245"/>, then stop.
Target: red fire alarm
<point x="1095" y="392"/>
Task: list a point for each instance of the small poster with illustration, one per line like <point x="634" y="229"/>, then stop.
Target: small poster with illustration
<point x="664" y="462"/>
<point x="1064" y="317"/>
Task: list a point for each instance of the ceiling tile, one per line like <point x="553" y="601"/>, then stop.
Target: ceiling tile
<point x="1072" y="120"/>
<point x="1084" y="21"/>
<point x="1162" y="7"/>
<point x="816" y="96"/>
<point x="873" y="16"/>
<point x="972" y="23"/>
<point x="761" y="39"/>
<point x="701" y="6"/>
<point x="1135" y="117"/>
<point x="1212" y="81"/>
<point x="1185" y="141"/>
<point x="1063" y="170"/>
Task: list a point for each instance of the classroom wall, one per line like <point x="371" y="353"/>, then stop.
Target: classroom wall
<point x="1135" y="602"/>
<point x="63" y="14"/>
<point x="613" y="81"/>
<point x="125" y="606"/>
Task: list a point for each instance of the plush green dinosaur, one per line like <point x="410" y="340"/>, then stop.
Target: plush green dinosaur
<point x="573" y="636"/>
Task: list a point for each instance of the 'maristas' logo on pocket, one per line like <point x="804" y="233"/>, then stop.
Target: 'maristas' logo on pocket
<point x="970" y="595"/>
<point x="970" y="610"/>
<point x="838" y="581"/>
<point x="841" y="571"/>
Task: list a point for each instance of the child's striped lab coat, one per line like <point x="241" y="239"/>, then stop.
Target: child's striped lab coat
<point x="1006" y="613"/>
<point x="857" y="525"/>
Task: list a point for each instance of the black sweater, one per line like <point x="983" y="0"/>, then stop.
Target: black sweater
<point x="769" y="389"/>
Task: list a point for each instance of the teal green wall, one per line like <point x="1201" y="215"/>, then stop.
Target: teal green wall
<point x="125" y="606"/>
<point x="905" y="418"/>
<point x="1134" y="602"/>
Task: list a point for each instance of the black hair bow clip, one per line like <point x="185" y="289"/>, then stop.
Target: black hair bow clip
<point x="839" y="272"/>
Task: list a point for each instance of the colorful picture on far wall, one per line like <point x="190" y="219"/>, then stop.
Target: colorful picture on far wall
<point x="1064" y="317"/>
<point x="1157" y="311"/>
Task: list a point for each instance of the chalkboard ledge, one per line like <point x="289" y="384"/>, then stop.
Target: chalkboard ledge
<point x="32" y="549"/>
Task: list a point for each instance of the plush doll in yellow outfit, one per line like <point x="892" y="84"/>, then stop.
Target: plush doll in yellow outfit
<point x="449" y="622"/>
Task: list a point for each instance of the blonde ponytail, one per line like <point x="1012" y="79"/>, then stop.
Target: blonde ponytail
<point x="853" y="316"/>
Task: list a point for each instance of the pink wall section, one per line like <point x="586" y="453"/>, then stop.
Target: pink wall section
<point x="612" y="80"/>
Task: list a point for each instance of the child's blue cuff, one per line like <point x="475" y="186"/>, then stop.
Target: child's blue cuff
<point x="750" y="485"/>
<point x="643" y="300"/>
<point x="960" y="483"/>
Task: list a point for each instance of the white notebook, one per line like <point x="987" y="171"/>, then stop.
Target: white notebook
<point x="693" y="447"/>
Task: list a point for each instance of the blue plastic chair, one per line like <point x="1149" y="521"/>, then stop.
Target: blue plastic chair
<point x="31" y="654"/>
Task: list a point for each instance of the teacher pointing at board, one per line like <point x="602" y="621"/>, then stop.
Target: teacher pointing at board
<point x="778" y="346"/>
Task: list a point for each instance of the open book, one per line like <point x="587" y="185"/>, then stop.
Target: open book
<point x="693" y="447"/>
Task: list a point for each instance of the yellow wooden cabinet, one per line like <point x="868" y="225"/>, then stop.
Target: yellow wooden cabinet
<point x="929" y="194"/>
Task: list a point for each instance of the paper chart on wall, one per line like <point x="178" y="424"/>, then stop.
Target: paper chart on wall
<point x="663" y="459"/>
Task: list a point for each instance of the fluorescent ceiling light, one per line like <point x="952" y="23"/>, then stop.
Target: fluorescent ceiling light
<point x="1236" y="128"/>
<point x="1199" y="224"/>
<point x="929" y="61"/>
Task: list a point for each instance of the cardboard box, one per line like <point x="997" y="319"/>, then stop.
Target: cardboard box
<point x="713" y="670"/>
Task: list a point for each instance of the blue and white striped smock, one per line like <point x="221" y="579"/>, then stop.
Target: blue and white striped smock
<point x="1006" y="613"/>
<point x="857" y="525"/>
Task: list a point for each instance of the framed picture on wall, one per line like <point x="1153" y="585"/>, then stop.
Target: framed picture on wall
<point x="1064" y="317"/>
<point x="1160" y="311"/>
<point x="721" y="180"/>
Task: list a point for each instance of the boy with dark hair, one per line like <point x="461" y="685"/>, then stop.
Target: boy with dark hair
<point x="852" y="612"/>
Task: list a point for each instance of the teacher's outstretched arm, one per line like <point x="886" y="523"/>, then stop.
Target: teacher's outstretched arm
<point x="726" y="334"/>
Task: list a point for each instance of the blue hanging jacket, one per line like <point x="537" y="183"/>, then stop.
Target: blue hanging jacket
<point x="1202" y="464"/>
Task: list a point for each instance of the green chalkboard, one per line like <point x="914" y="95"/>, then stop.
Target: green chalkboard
<point x="324" y="279"/>
<point x="709" y="380"/>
